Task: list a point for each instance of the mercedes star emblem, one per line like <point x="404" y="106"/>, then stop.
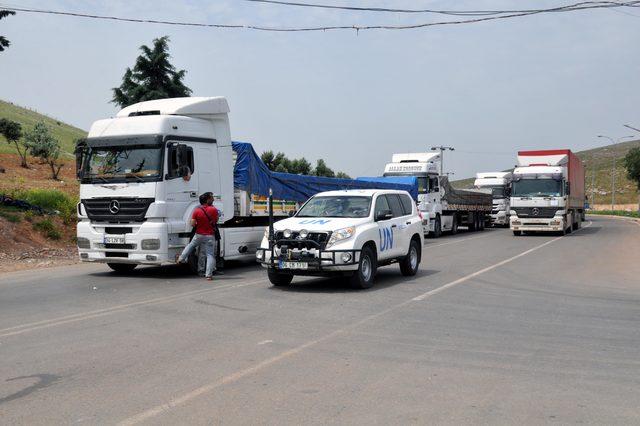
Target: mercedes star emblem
<point x="114" y="206"/>
<point x="535" y="211"/>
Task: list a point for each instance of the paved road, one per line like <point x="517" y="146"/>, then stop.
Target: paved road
<point x="494" y="329"/>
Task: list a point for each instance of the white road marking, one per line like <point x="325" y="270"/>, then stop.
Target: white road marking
<point x="24" y="328"/>
<point x="234" y="377"/>
<point x="264" y="342"/>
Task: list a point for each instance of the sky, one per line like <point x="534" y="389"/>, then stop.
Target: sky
<point x="354" y="99"/>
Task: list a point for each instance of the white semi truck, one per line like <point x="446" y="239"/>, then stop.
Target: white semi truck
<point x="446" y="207"/>
<point x="141" y="174"/>
<point x="547" y="192"/>
<point x="499" y="183"/>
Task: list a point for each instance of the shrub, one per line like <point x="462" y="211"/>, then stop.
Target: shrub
<point x="48" y="229"/>
<point x="11" y="217"/>
<point x="50" y="199"/>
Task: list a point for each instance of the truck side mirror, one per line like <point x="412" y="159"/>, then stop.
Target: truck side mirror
<point x="80" y="152"/>
<point x="384" y="215"/>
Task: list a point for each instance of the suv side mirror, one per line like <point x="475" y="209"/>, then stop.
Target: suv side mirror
<point x="292" y="213"/>
<point x="384" y="215"/>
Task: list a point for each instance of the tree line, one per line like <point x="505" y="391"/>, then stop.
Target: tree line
<point x="299" y="166"/>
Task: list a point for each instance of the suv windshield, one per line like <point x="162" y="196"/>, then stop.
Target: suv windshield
<point x="537" y="188"/>
<point x="142" y="163"/>
<point x="336" y="206"/>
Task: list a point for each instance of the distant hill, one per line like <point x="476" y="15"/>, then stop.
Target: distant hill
<point x="65" y="133"/>
<point x="598" y="162"/>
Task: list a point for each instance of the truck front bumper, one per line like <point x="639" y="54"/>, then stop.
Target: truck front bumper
<point x="500" y="218"/>
<point x="554" y="224"/>
<point x="144" y="243"/>
<point x="309" y="262"/>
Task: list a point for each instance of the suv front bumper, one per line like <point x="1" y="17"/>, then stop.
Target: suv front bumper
<point x="309" y="262"/>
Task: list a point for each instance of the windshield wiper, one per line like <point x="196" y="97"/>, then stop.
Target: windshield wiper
<point x="135" y="176"/>
<point x="101" y="178"/>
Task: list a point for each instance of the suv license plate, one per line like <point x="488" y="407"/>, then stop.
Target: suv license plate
<point x="293" y="265"/>
<point x="114" y="239"/>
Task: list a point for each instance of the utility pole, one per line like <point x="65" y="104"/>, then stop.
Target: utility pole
<point x="613" y="166"/>
<point x="442" y="149"/>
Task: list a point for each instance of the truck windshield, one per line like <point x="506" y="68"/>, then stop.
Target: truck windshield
<point x="124" y="163"/>
<point x="536" y="188"/>
<point x="336" y="206"/>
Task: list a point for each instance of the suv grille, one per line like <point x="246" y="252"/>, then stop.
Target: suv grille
<point x="294" y="242"/>
<point x="115" y="210"/>
<point x="533" y="212"/>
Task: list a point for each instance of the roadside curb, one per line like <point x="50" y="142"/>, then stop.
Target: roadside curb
<point x="611" y="216"/>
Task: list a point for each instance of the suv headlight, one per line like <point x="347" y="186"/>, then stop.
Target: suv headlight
<point x="340" y="235"/>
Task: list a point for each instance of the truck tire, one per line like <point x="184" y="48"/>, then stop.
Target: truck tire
<point x="517" y="233"/>
<point x="411" y="262"/>
<point x="122" y="268"/>
<point x="363" y="278"/>
<point x="454" y="225"/>
<point x="279" y="279"/>
<point x="473" y="221"/>
<point x="481" y="221"/>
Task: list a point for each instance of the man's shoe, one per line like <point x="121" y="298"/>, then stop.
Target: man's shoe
<point x="216" y="272"/>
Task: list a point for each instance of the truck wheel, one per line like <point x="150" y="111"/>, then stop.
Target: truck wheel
<point x="410" y="263"/>
<point x="279" y="279"/>
<point x="473" y="221"/>
<point x="122" y="268"/>
<point x="481" y="221"/>
<point x="517" y="233"/>
<point x="363" y="278"/>
<point x="437" y="228"/>
<point x="454" y="225"/>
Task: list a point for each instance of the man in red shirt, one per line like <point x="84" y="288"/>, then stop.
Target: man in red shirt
<point x="204" y="219"/>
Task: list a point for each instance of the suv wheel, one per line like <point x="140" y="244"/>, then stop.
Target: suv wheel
<point x="363" y="278"/>
<point x="410" y="263"/>
<point x="279" y="279"/>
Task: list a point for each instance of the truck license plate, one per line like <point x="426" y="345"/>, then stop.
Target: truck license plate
<point x="114" y="239"/>
<point x="293" y="265"/>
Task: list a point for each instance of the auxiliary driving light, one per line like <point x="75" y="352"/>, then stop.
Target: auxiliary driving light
<point x="287" y="233"/>
<point x="346" y="257"/>
<point x="303" y="234"/>
<point x="259" y="255"/>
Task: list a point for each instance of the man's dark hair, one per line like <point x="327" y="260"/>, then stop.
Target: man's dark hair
<point x="205" y="197"/>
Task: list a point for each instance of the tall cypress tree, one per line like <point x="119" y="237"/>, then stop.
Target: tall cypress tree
<point x="152" y="77"/>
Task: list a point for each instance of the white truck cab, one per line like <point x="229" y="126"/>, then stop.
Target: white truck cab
<point x="499" y="183"/>
<point x="346" y="233"/>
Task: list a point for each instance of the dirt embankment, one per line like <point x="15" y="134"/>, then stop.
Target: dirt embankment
<point x="29" y="240"/>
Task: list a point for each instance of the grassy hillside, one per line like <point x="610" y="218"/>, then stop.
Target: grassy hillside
<point x="65" y="133"/>
<point x="599" y="164"/>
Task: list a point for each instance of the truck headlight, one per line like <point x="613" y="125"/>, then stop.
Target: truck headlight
<point x="150" y="244"/>
<point x="340" y="235"/>
<point x="84" y="243"/>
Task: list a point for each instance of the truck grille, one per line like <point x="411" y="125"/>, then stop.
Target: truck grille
<point x="535" y="212"/>
<point x="117" y="210"/>
<point x="321" y="238"/>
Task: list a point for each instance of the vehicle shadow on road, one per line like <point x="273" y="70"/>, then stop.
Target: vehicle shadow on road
<point x="384" y="279"/>
<point x="233" y="271"/>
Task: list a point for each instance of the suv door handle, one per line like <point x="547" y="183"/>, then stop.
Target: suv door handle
<point x="408" y="222"/>
<point x="394" y="226"/>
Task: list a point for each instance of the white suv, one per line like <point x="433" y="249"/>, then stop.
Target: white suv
<point x="345" y="233"/>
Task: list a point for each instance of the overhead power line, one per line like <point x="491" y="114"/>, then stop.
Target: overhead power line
<point x="496" y="15"/>
<point x="575" y="6"/>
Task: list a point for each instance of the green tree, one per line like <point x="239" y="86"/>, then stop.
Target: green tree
<point x="632" y="164"/>
<point x="12" y="132"/>
<point x="4" y="43"/>
<point x="323" y="170"/>
<point x="152" y="77"/>
<point x="300" y="166"/>
<point x="267" y="158"/>
<point x="342" y="175"/>
<point x="43" y="145"/>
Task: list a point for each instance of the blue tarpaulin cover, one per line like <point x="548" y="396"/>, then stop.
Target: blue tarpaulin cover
<point x="252" y="175"/>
